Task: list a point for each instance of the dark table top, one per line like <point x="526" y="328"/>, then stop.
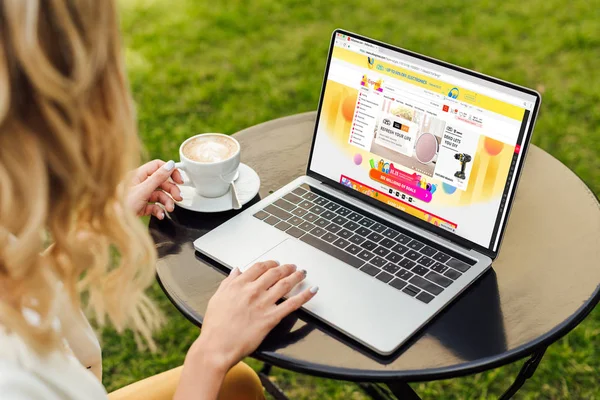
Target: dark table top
<point x="544" y="282"/>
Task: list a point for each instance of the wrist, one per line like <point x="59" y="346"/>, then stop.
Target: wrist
<point x="203" y="356"/>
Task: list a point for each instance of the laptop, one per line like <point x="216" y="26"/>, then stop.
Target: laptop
<point x="411" y="175"/>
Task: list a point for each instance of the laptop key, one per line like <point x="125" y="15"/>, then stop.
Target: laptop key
<point x="452" y="274"/>
<point x="366" y="222"/>
<point x="272" y="220"/>
<point x="381" y="251"/>
<point x="426" y="285"/>
<point x="278" y="212"/>
<point x="413" y="255"/>
<point x="374" y="236"/>
<point x="345" y="233"/>
<point x="411" y="290"/>
<point x="339" y="220"/>
<point x="318" y="232"/>
<point x="371" y="270"/>
<point x="378" y="261"/>
<point x="292" y="198"/>
<point x="305" y="204"/>
<point x="306" y="226"/>
<point x="425" y="297"/>
<point x="310" y="217"/>
<point x="299" y="212"/>
<point x="261" y="215"/>
<point x="283" y="226"/>
<point x="317" y="209"/>
<point x="332" y="250"/>
<point x="428" y="251"/>
<point x="441" y="257"/>
<point x="310" y="196"/>
<point x="357" y="239"/>
<point x="343" y="211"/>
<point x="420" y="270"/>
<point x="390" y="233"/>
<point x="384" y="277"/>
<point x="365" y="255"/>
<point x="328" y="215"/>
<point x="329" y="237"/>
<point x="286" y="205"/>
<point x="391" y="268"/>
<point x="341" y="243"/>
<point x="332" y="206"/>
<point x="369" y="245"/>
<point x="437" y="278"/>
<point x="403" y="239"/>
<point x="441" y="268"/>
<point x="299" y="191"/>
<point x="406" y="263"/>
<point x="354" y="217"/>
<point x="398" y="283"/>
<point x="404" y="274"/>
<point x="353" y="249"/>
<point x="333" y="228"/>
<point x="426" y="261"/>
<point x="394" y="257"/>
<point x="400" y="249"/>
<point x="459" y="265"/>
<point x="387" y="243"/>
<point x="377" y="227"/>
<point x="363" y="231"/>
<point x="415" y="245"/>
<point x="295" y="232"/>
<point x="321" y="201"/>
<point x="351" y="225"/>
<point x="322" y="222"/>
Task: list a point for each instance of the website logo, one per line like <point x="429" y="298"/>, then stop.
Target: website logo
<point x="453" y="93"/>
<point x="387" y="122"/>
<point x="370" y="62"/>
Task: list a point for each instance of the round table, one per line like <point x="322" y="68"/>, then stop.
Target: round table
<point x="543" y="284"/>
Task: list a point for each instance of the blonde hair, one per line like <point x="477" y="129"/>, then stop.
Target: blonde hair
<point x="67" y="139"/>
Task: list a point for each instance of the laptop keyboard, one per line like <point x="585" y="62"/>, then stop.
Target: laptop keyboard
<point x="395" y="258"/>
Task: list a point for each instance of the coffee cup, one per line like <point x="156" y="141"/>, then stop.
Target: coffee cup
<point x="210" y="162"/>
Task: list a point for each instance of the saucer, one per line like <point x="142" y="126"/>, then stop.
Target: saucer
<point x="247" y="185"/>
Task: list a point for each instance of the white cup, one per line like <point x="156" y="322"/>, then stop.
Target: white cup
<point x="210" y="179"/>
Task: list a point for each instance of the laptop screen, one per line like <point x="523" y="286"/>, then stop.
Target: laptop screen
<point x="434" y="141"/>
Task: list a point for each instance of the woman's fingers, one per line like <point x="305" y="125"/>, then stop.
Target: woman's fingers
<point x="172" y="189"/>
<point x="295" y="302"/>
<point x="274" y="275"/>
<point x="154" y="209"/>
<point x="158" y="196"/>
<point x="283" y="286"/>
<point x="255" y="271"/>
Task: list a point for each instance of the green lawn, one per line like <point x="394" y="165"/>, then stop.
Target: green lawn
<point x="199" y="66"/>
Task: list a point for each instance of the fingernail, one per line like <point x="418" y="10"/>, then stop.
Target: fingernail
<point x="162" y="215"/>
<point x="276" y="262"/>
<point x="169" y="165"/>
<point x="304" y="272"/>
<point x="314" y="289"/>
<point x="294" y="267"/>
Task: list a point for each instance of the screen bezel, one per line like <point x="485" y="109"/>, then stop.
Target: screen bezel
<point x="401" y="214"/>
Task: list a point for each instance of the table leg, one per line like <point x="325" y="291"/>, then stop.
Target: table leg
<point x="269" y="386"/>
<point x="390" y="391"/>
<point x="525" y="373"/>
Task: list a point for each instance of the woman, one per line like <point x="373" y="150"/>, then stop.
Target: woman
<point x="69" y="235"/>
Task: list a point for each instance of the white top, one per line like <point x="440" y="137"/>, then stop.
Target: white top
<point x="74" y="375"/>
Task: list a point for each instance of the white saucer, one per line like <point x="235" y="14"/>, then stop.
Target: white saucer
<point x="247" y="186"/>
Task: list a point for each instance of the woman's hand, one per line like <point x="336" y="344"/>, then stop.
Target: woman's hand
<point x="239" y="316"/>
<point x="151" y="186"/>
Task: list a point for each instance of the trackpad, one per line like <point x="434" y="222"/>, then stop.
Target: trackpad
<point x="348" y="299"/>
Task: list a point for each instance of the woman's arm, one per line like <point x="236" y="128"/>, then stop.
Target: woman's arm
<point x="239" y="316"/>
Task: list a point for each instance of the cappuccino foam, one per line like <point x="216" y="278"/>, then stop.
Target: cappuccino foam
<point x="210" y="149"/>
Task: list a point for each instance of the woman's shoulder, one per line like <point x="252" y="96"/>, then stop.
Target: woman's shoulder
<point x="24" y="374"/>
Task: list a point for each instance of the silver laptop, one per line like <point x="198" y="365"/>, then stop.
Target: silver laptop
<point x="411" y="175"/>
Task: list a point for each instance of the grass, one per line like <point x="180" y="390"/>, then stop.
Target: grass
<point x="199" y="66"/>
